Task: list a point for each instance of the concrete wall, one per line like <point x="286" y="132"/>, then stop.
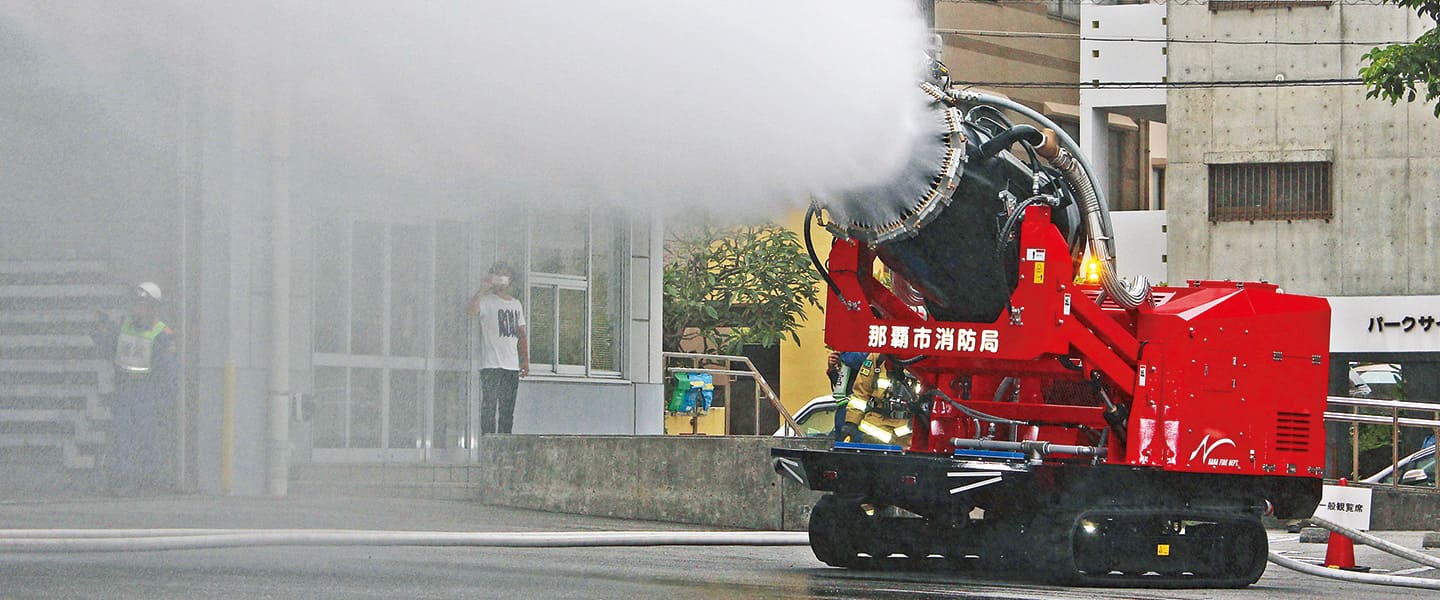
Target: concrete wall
<point x="988" y="58"/>
<point x="1117" y="147"/>
<point x="723" y="481"/>
<point x="718" y="481"/>
<point x="1386" y="215"/>
<point x="1140" y="244"/>
<point x="1404" y="509"/>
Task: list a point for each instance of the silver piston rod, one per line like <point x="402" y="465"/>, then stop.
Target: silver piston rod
<point x="1034" y="450"/>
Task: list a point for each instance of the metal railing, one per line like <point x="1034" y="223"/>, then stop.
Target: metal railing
<point x="1394" y="408"/>
<point x="748" y="370"/>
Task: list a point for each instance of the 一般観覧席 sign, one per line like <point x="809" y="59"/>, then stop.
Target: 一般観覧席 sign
<point x="1345" y="505"/>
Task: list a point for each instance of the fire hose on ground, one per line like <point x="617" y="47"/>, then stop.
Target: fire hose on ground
<point x="146" y="540"/>
<point x="150" y="540"/>
<point x="1371" y="578"/>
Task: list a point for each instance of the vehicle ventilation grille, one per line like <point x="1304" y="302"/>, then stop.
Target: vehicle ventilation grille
<point x="1292" y="431"/>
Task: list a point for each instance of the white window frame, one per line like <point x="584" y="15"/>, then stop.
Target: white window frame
<point x="558" y="282"/>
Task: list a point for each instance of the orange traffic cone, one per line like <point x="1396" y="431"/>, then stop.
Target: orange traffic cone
<point x="1340" y="551"/>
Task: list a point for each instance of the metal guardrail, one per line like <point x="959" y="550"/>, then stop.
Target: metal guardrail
<point x="1393" y="419"/>
<point x="748" y="371"/>
<point x="1393" y="407"/>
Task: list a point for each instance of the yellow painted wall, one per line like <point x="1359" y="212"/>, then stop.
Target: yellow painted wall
<point x="802" y="368"/>
<point x="710" y="423"/>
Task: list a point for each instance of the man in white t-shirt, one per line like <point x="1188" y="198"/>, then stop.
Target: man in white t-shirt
<point x="504" y="349"/>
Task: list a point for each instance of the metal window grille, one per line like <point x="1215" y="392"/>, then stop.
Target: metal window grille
<point x="1270" y="191"/>
<point x="1219" y="5"/>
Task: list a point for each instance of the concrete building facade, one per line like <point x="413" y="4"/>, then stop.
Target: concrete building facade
<point x="1124" y="43"/>
<point x="303" y="280"/>
<point x="1313" y="187"/>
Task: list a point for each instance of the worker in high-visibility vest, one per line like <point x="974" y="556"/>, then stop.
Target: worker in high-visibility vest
<point x="870" y="415"/>
<point x="142" y="348"/>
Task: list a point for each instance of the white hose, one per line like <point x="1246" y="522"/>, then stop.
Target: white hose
<point x="1353" y="576"/>
<point x="1378" y="544"/>
<point x="43" y="541"/>
<point x="132" y="533"/>
<point x="1358" y="577"/>
<point x="151" y="540"/>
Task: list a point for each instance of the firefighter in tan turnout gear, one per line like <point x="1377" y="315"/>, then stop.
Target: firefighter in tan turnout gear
<point x="870" y="412"/>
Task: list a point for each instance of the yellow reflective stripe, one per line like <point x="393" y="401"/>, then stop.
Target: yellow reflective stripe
<point x="858" y="403"/>
<point x="876" y="431"/>
<point x="127" y="327"/>
<point x="902" y="431"/>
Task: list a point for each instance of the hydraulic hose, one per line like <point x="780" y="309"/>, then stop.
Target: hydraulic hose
<point x="975" y="414"/>
<point x="819" y="266"/>
<point x="1093" y="205"/>
<point x="1128" y="295"/>
<point x="1005" y="139"/>
<point x="1015" y="217"/>
<point x="43" y="541"/>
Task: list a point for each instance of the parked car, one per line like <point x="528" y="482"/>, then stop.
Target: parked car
<point x="817" y="419"/>
<point x="1377" y="381"/>
<point x="1416" y="469"/>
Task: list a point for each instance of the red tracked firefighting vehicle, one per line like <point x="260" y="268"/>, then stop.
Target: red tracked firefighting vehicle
<point x="1112" y="434"/>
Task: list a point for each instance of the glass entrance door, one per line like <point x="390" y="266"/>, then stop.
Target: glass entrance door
<point x="391" y="350"/>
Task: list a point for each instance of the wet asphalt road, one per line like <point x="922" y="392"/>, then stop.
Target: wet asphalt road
<point x="407" y="572"/>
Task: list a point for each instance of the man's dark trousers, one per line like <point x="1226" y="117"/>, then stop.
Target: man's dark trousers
<point x="497" y="392"/>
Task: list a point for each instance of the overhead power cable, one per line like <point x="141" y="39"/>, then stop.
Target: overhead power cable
<point x="1163" y="84"/>
<point x="1258" y="3"/>
<point x="1219" y="42"/>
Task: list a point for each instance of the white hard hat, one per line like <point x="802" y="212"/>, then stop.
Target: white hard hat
<point x="148" y="291"/>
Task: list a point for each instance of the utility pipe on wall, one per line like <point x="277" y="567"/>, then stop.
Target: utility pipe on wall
<point x="227" y="431"/>
<point x="278" y="438"/>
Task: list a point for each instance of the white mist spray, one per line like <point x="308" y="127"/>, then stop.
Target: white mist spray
<point x="737" y="104"/>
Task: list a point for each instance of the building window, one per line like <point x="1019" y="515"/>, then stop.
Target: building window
<point x="1270" y="191"/>
<point x="573" y="286"/>
<point x="392" y="347"/>
<point x="1157" y="188"/>
<point x="384" y="327"/>
<point x="1065" y="9"/>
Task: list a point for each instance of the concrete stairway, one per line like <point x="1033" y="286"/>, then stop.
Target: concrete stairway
<point x="51" y="376"/>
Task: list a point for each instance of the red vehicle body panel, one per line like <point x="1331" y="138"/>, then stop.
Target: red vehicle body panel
<point x="1218" y="376"/>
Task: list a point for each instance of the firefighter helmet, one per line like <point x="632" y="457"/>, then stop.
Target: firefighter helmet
<point x="148" y="291"/>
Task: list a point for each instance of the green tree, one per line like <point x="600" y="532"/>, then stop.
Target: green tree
<point x="736" y="285"/>
<point x="1396" y="70"/>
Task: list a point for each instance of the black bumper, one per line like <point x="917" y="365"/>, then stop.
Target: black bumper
<point x="930" y="484"/>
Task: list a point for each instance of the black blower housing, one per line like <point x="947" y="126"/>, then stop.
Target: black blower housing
<point x="956" y="260"/>
<point x="938" y="222"/>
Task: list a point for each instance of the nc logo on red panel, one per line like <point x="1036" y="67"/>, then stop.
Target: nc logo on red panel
<point x="1206" y="447"/>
